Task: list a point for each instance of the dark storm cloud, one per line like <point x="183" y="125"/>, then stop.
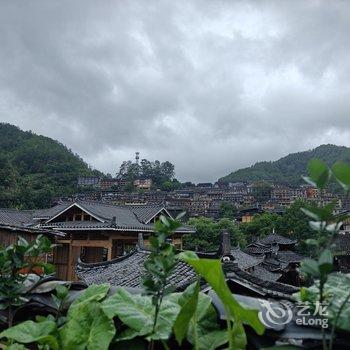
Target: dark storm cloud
<point x="209" y="85"/>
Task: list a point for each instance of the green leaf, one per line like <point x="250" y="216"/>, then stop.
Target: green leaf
<point x="311" y="242"/>
<point x="137" y="312"/>
<point x="341" y="172"/>
<point x="16" y="347"/>
<point x="87" y="328"/>
<point x="29" y="331"/>
<point x="319" y="173"/>
<point x="187" y="255"/>
<point x="325" y="262"/>
<point x="133" y="310"/>
<point x="186" y="313"/>
<point x="204" y="328"/>
<point x="324" y="213"/>
<point x="61" y="291"/>
<point x="310" y="267"/>
<point x="317" y="225"/>
<point x="164" y="220"/>
<point x="95" y="292"/>
<point x="212" y="340"/>
<point x="211" y="271"/>
<point x="336" y="289"/>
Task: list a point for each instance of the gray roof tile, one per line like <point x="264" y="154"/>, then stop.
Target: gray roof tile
<point x="244" y="260"/>
<point x="126" y="271"/>
<point x="16" y="217"/>
<point x="265" y="274"/>
<point x="276" y="239"/>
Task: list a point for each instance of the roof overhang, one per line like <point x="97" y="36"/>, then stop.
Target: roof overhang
<point x="119" y="229"/>
<point x="32" y="230"/>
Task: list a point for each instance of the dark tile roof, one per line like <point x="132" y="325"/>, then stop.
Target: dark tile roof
<point x="126" y="271"/>
<point x="77" y="225"/>
<point x="289" y="256"/>
<point x="48" y="213"/>
<point x="244" y="260"/>
<point x="257" y="248"/>
<point x="113" y="217"/>
<point x="264" y="274"/>
<point x="276" y="239"/>
<point x="267" y="288"/>
<point x="27" y="229"/>
<point x="273" y="264"/>
<point x="108" y="226"/>
<point x="16" y="217"/>
<point x="145" y="213"/>
<point x="342" y="244"/>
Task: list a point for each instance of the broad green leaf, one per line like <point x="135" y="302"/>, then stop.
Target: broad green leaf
<point x="87" y="328"/>
<point x="337" y="289"/>
<point x="164" y="220"/>
<point x="212" y="340"/>
<point x="324" y="213"/>
<point x="61" y="291"/>
<point x="188" y="255"/>
<point x="341" y="172"/>
<point x="167" y="316"/>
<point x="211" y="271"/>
<point x="319" y="173"/>
<point x="186" y="313"/>
<point x="50" y="341"/>
<point x="137" y="312"/>
<point x="310" y="267"/>
<point x="95" y="292"/>
<point x="325" y="261"/>
<point x="311" y="213"/>
<point x="312" y="242"/>
<point x="203" y="328"/>
<point x="29" y="331"/>
<point x="133" y="310"/>
<point x="16" y="347"/>
<point x="317" y="225"/>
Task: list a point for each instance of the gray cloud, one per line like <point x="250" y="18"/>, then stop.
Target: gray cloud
<point x="209" y="85"/>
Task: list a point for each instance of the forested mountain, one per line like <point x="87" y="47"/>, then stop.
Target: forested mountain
<point x="288" y="170"/>
<point x="34" y="168"/>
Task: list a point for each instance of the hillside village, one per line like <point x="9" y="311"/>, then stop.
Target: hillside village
<point x="205" y="199"/>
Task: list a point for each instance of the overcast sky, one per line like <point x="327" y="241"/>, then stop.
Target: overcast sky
<point x="212" y="86"/>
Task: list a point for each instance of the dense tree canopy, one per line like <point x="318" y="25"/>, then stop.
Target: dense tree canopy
<point x="208" y="235"/>
<point x="293" y="224"/>
<point x="227" y="210"/>
<point x="161" y="173"/>
<point x="288" y="170"/>
<point x="34" y="169"/>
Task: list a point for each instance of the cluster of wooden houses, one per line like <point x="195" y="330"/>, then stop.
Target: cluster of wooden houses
<point x="98" y="243"/>
<point x="91" y="231"/>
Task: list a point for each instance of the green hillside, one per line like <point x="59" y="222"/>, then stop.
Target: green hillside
<point x="34" y="169"/>
<point x="288" y="170"/>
